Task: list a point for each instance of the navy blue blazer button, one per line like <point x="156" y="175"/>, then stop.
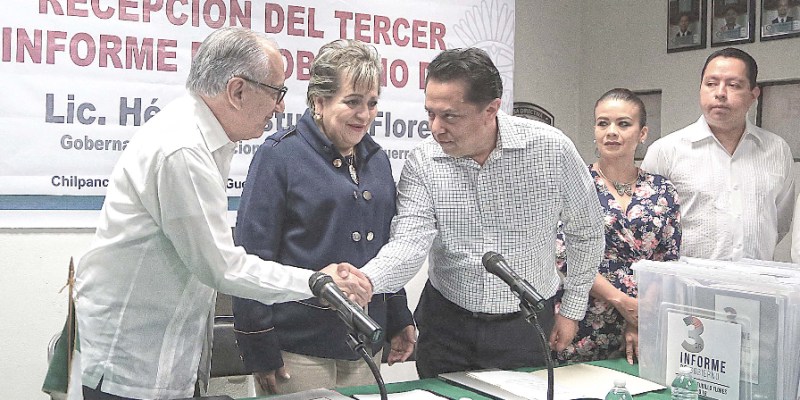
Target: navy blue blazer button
<point x="337" y="162"/>
<point x="356" y="236"/>
<point x="367" y="195"/>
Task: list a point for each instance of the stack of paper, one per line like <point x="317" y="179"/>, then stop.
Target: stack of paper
<point x="410" y="395"/>
<point x="572" y="381"/>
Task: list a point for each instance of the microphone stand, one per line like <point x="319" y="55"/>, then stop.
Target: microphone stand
<point x="356" y="342"/>
<point x="532" y="318"/>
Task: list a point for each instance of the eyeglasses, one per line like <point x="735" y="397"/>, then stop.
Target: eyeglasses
<point x="281" y="90"/>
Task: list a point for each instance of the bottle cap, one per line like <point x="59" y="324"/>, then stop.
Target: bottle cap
<point x="685" y="370"/>
<point x="619" y="383"/>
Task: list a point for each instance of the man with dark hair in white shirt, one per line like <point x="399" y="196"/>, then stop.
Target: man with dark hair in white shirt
<point x="145" y="290"/>
<point x="734" y="179"/>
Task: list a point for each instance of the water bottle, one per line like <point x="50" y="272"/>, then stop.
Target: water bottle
<point x="684" y="386"/>
<point x="619" y="392"/>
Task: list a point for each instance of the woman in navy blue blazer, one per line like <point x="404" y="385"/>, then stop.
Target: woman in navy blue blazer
<point x="318" y="193"/>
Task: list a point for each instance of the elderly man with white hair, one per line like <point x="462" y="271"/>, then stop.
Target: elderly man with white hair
<point x="145" y="290"/>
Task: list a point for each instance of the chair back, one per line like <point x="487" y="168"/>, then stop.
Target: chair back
<point x="225" y="359"/>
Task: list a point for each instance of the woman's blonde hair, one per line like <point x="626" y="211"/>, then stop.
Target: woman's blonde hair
<point x="355" y="60"/>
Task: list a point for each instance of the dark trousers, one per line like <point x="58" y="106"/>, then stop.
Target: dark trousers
<point x="453" y="339"/>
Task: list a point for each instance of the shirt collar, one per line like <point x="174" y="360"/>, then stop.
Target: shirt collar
<point x="752" y="132"/>
<point x="508" y="136"/>
<point x="704" y="132"/>
<point x="210" y="128"/>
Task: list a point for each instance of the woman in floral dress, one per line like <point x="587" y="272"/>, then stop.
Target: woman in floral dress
<point x="642" y="221"/>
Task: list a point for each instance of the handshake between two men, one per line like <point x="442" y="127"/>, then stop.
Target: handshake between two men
<point x="353" y="286"/>
<point x="352" y="282"/>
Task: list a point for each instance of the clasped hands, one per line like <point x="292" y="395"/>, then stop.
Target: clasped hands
<point x="353" y="283"/>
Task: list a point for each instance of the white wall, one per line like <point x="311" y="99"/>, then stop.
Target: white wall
<point x="547" y="58"/>
<point x="567" y="54"/>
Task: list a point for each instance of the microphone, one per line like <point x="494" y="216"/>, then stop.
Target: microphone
<point x="354" y="316"/>
<point x="497" y="265"/>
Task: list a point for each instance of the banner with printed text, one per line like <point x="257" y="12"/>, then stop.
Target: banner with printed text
<point x="79" y="76"/>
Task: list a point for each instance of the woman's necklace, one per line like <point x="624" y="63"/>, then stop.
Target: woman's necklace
<point x="351" y="166"/>
<point x="623" y="188"/>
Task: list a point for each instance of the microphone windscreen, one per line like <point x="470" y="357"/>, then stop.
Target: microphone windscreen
<point x="491" y="260"/>
<point x="317" y="281"/>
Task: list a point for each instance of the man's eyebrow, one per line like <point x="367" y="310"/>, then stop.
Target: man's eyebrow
<point x="443" y="111"/>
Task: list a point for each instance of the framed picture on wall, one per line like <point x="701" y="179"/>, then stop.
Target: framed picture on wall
<point x="686" y="25"/>
<point x="780" y="19"/>
<point x="732" y="22"/>
<point x="778" y="111"/>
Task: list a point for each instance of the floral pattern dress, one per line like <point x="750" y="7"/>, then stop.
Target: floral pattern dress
<point x="649" y="229"/>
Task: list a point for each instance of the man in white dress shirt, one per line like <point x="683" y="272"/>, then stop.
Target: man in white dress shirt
<point x="734" y="179"/>
<point x="147" y="286"/>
